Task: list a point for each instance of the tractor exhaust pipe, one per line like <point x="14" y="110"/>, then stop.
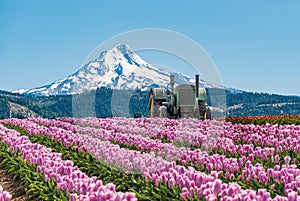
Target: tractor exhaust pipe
<point x="172" y="82"/>
<point x="197" y="85"/>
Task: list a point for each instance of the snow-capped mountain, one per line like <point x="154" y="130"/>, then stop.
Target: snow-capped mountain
<point x="117" y="68"/>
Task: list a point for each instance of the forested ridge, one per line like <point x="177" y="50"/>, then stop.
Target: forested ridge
<point x="110" y="103"/>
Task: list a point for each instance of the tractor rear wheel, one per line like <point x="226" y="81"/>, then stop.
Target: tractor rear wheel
<point x="207" y="113"/>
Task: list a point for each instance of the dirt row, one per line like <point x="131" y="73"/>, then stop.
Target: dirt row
<point x="14" y="188"/>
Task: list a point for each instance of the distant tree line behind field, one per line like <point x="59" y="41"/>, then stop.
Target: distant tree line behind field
<point x="128" y="103"/>
<point x="61" y="106"/>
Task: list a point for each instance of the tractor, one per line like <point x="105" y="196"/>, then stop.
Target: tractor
<point x="183" y="102"/>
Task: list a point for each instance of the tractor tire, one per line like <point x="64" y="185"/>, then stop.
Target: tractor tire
<point x="207" y="113"/>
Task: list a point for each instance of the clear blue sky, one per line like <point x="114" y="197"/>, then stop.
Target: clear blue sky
<point x="254" y="44"/>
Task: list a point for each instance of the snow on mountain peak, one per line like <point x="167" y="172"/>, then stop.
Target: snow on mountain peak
<point x="117" y="68"/>
<point x="123" y="48"/>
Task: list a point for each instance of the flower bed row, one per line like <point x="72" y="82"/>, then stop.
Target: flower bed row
<point x="230" y="142"/>
<point x="187" y="188"/>
<point x="219" y="162"/>
<point x="67" y="176"/>
<point x="26" y="173"/>
<point x="87" y="163"/>
<point x="203" y="135"/>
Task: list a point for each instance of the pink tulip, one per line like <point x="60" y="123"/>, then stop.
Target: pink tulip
<point x="293" y="196"/>
<point x="276" y="159"/>
<point x="230" y="191"/>
<point x="217" y="186"/>
<point x="6" y="196"/>
<point x="287" y="159"/>
<point x="192" y="192"/>
<point x="185" y="192"/>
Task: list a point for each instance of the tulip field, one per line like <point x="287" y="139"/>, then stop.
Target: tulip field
<point x="260" y="120"/>
<point x="91" y="159"/>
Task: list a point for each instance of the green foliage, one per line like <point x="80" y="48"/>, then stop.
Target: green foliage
<point x="61" y="106"/>
<point x="254" y="104"/>
<point x="87" y="163"/>
<point x="34" y="183"/>
<point x="4" y="110"/>
<point x="258" y="104"/>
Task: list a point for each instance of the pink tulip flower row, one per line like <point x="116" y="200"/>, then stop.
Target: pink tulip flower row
<point x="280" y="136"/>
<point x="166" y="151"/>
<point x="183" y="135"/>
<point x="154" y="128"/>
<point x="170" y="152"/>
<point x="229" y="133"/>
<point x="283" y="137"/>
<point x="221" y="163"/>
<point x="105" y="134"/>
<point x="127" y="126"/>
<point x="289" y="175"/>
<point x="67" y="176"/>
<point x="189" y="135"/>
<point x="267" y="135"/>
<point x="169" y="172"/>
<point x="263" y="153"/>
<point x="127" y="159"/>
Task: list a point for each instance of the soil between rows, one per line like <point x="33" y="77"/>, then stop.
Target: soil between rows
<point x="13" y="187"/>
